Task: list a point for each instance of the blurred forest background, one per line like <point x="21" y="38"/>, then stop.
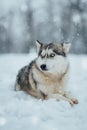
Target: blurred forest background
<point x="22" y="22"/>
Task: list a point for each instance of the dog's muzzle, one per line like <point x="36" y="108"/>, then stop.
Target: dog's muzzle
<point x="43" y="67"/>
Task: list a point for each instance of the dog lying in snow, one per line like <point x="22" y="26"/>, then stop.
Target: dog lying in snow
<point x="47" y="75"/>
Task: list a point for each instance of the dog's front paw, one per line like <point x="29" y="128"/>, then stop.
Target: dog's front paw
<point x="74" y="101"/>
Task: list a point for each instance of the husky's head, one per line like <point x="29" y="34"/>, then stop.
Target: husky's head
<point x="52" y="57"/>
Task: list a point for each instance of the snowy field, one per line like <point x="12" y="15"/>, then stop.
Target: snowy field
<point x="19" y="111"/>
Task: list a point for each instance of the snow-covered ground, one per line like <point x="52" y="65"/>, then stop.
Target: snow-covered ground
<point x="19" y="111"/>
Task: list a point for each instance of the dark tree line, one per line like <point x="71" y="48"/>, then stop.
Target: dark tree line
<point x="47" y="21"/>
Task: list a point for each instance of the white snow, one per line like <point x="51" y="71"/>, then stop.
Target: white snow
<point x="19" y="111"/>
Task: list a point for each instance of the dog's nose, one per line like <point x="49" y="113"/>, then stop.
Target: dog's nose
<point x="43" y="67"/>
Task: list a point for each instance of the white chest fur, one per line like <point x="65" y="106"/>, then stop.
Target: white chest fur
<point x="49" y="83"/>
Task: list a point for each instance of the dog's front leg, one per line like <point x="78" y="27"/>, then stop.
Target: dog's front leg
<point x="67" y="95"/>
<point x="60" y="97"/>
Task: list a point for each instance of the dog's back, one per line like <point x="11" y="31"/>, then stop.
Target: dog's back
<point x="26" y="82"/>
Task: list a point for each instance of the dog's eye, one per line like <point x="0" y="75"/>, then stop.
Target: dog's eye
<point x="52" y="55"/>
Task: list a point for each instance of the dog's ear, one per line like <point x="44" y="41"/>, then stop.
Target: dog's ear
<point x="38" y="45"/>
<point x="66" y="47"/>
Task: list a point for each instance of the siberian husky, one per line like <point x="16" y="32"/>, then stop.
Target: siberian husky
<point x="47" y="75"/>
